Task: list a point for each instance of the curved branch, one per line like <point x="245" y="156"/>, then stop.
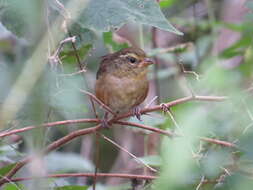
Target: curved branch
<point x="56" y="144"/>
<point x="51" y="124"/>
<point x="175" y="102"/>
<point x="156" y="130"/>
<point x="51" y="147"/>
<point x="81" y="132"/>
<point x="118" y="175"/>
<point x="123" y="116"/>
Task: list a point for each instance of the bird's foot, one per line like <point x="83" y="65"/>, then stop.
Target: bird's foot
<point x="104" y="122"/>
<point x="137" y="113"/>
<point x="165" y="108"/>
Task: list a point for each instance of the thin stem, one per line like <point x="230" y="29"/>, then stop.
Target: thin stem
<point x="156" y="65"/>
<point x="123" y="116"/>
<point x="157" y="130"/>
<point x="97" y="149"/>
<point x="51" y="147"/>
<point x="75" y="134"/>
<point x="70" y="136"/>
<point x="51" y="124"/>
<point x="175" y="102"/>
<point x="117" y="175"/>
<point x="219" y="142"/>
<point x="76" y="53"/>
<point x="125" y="150"/>
<point x="141" y="36"/>
<point x="98" y="101"/>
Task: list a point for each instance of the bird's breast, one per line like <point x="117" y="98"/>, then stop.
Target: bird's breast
<point x="122" y="94"/>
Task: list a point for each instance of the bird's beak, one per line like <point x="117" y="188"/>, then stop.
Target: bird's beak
<point x="147" y="62"/>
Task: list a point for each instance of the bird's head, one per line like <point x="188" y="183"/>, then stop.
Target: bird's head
<point x="128" y="61"/>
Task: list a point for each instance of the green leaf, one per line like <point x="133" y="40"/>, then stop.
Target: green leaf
<point x="72" y="187"/>
<point x="103" y="15"/>
<point x="237" y="48"/>
<point x="13" y="186"/>
<point x="166" y="3"/>
<point x="109" y="41"/>
<point x="247" y="67"/>
<point x="4" y="170"/>
<point x="69" y="55"/>
<point x="83" y="36"/>
<point x="23" y="18"/>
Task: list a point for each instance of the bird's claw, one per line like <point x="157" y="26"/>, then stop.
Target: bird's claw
<point x="104" y="122"/>
<point x="137" y="113"/>
<point x="165" y="108"/>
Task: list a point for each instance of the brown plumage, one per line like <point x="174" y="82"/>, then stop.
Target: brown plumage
<point x="122" y="82"/>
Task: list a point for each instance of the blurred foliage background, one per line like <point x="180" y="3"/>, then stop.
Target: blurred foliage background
<point x="42" y="68"/>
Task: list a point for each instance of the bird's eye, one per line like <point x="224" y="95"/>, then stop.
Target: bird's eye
<point x="132" y="59"/>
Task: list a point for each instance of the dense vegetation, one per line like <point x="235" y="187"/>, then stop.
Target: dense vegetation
<point x="196" y="125"/>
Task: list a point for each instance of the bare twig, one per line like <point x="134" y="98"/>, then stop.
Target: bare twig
<point x="51" y="147"/>
<point x="156" y="65"/>
<point x="151" y="101"/>
<point x="117" y="175"/>
<point x="86" y="131"/>
<point x="98" y="101"/>
<point x="64" y="9"/>
<point x="71" y="136"/>
<point x="55" y="57"/>
<point x="175" y="102"/>
<point x="219" y="142"/>
<point x="184" y="80"/>
<point x="193" y="73"/>
<point x="76" y="53"/>
<point x="93" y="107"/>
<point x="97" y="149"/>
<point x="117" y="118"/>
<point x="72" y="74"/>
<point x="51" y="124"/>
<point x="125" y="150"/>
<point x="200" y="183"/>
<point x="157" y="130"/>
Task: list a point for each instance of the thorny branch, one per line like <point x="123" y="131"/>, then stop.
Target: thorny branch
<point x="58" y="143"/>
<point x="118" y="175"/>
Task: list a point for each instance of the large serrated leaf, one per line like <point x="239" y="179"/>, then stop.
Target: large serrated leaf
<point x="103" y="15"/>
<point x="23" y="18"/>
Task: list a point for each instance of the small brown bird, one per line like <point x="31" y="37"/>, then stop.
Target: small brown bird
<point x="122" y="82"/>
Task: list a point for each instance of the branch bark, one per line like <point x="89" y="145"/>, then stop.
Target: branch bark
<point x="75" y="134"/>
<point x="118" y="175"/>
